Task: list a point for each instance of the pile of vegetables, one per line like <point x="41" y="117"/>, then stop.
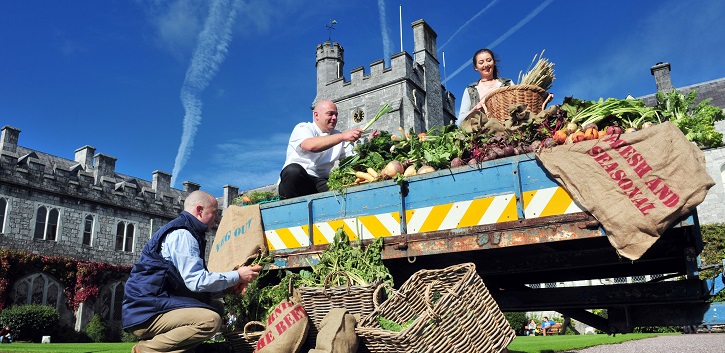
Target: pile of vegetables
<point x="400" y="155"/>
<point x="362" y="264"/>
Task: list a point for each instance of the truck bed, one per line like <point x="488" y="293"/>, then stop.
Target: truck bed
<point x="534" y="247"/>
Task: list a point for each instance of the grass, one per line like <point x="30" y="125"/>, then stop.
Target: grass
<point x="521" y="344"/>
<point x="545" y="344"/>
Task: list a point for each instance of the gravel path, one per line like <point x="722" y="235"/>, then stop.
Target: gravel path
<point x="699" y="343"/>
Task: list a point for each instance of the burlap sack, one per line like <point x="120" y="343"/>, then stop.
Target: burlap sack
<point x="286" y="330"/>
<point x="477" y="122"/>
<point x="337" y="333"/>
<point x="636" y="184"/>
<point x="238" y="240"/>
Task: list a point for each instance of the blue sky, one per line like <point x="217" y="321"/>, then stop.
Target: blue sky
<point x="127" y="76"/>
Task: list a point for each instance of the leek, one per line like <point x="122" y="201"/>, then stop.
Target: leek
<point x="386" y="108"/>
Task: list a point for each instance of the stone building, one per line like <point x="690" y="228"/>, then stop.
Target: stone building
<point x="80" y="209"/>
<point x="411" y="85"/>
<point x="712" y="209"/>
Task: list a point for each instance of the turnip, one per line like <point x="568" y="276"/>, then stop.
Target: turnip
<point x="410" y="171"/>
<point x="426" y="169"/>
<point x="392" y="169"/>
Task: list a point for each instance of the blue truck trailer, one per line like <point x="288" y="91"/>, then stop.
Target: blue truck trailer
<point x="535" y="248"/>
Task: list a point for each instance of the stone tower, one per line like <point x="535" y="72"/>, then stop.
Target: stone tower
<point x="411" y="85"/>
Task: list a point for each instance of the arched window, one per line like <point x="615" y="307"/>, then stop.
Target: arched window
<point x="46" y="223"/>
<point x="3" y="214"/>
<point x="110" y="301"/>
<point x="88" y="224"/>
<point x="38" y="288"/>
<point x="124" y="236"/>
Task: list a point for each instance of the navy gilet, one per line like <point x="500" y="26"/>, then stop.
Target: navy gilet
<point x="155" y="285"/>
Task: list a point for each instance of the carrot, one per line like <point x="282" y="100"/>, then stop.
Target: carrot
<point x="372" y="172"/>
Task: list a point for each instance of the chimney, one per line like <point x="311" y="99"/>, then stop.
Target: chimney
<point x="161" y="182"/>
<point x="9" y="139"/>
<point x="105" y="167"/>
<point x="230" y="192"/>
<point x="190" y="187"/>
<point x="84" y="157"/>
<point x="661" y="72"/>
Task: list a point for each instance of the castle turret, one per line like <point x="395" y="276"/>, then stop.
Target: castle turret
<point x="329" y="64"/>
<point x="424" y="54"/>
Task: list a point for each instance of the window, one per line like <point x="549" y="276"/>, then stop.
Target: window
<point x="88" y="230"/>
<point x="124" y="236"/>
<point x="40" y="289"/>
<point x="111" y="300"/>
<point x="46" y="223"/>
<point x="3" y="211"/>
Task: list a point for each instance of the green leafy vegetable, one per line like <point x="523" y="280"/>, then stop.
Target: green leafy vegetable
<point x="697" y="122"/>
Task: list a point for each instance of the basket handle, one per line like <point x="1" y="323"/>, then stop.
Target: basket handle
<point x="328" y="278"/>
<point x="258" y="323"/>
<point x="548" y="99"/>
<point x="376" y="294"/>
<point x="427" y="298"/>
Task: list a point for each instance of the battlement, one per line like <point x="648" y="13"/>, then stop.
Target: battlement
<point x="94" y="180"/>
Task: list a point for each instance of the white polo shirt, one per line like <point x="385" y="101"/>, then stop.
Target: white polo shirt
<point x="317" y="164"/>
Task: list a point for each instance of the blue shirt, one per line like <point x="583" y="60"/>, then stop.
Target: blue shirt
<point x="182" y="250"/>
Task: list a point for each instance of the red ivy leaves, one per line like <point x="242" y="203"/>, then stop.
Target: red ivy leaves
<point x="82" y="280"/>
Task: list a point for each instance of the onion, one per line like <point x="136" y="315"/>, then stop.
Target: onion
<point x="392" y="169"/>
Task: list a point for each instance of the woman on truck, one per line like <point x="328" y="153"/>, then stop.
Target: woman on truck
<point x="484" y="62"/>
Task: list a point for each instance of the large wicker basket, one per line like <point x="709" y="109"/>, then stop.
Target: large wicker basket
<point x="499" y="101"/>
<point x="318" y="301"/>
<point x="244" y="341"/>
<point x="448" y="310"/>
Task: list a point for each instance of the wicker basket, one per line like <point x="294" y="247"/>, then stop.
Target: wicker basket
<point x="465" y="318"/>
<point x="244" y="341"/>
<point x="499" y="101"/>
<point x="318" y="301"/>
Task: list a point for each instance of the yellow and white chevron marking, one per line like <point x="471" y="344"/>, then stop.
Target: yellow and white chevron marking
<point x="427" y="219"/>
<point x="463" y="214"/>
<point x="548" y="202"/>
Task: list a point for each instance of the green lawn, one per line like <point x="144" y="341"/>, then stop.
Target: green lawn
<point x="521" y="344"/>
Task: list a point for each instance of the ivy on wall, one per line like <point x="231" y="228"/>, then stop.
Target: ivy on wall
<point x="81" y="280"/>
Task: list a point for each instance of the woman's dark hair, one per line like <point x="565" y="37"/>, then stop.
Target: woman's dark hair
<point x="495" y="62"/>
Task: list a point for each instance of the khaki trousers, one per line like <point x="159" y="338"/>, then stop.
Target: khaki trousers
<point x="177" y="331"/>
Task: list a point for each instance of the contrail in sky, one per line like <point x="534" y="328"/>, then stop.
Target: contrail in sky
<point x="211" y="49"/>
<point x="508" y="33"/>
<point x="468" y="22"/>
<point x="384" y="31"/>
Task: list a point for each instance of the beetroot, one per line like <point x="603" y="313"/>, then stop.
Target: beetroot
<point x="456" y="162"/>
<point x="549" y="142"/>
<point x="508" y="151"/>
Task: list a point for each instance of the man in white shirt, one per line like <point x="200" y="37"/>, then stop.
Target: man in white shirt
<point x="312" y="152"/>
